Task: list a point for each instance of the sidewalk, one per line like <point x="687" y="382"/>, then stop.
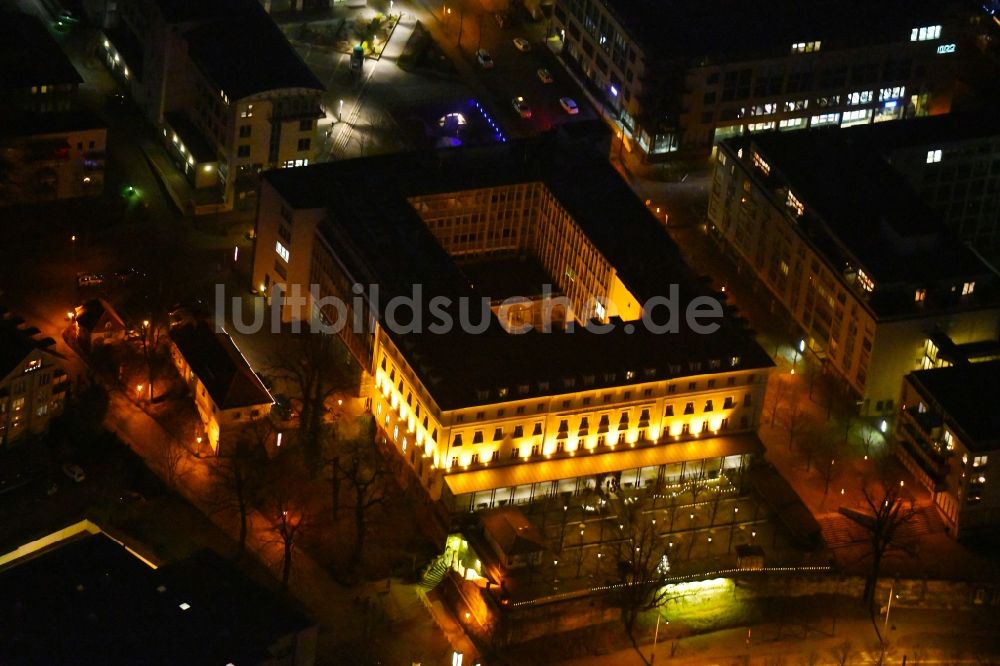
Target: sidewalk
<point x="922" y="638"/>
<point x="335" y="608"/>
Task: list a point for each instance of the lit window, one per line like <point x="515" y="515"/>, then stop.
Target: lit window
<point x="824" y="119"/>
<point x="920" y="295"/>
<point x="761" y="164"/>
<point x="968" y="288"/>
<point x="784" y="268"/>
<point x="886" y="94"/>
<point x="796" y="205"/>
<point x="866" y="282"/>
<point x="933" y="156"/>
<point x="980" y="461"/>
<point x="281" y="250"/>
<point x="859" y="97"/>
<point x="805" y="47"/>
<point x="925" y="34"/>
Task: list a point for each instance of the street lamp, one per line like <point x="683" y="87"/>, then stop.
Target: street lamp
<point x="340" y="111"/>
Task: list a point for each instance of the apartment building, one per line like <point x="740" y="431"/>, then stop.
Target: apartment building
<point x="869" y="273"/>
<point x="32" y="380"/>
<point x="229" y="94"/>
<point x="490" y="414"/>
<point x="947" y="433"/>
<point x="681" y="76"/>
<point x="226" y="391"/>
<point x="50" y="146"/>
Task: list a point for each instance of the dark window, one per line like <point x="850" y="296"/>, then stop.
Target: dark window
<point x="243" y="151"/>
<point x="305" y="125"/>
<point x="245" y="131"/>
<point x="304" y="144"/>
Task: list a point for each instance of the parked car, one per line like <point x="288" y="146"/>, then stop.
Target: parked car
<point x="522" y="44"/>
<point x="569" y="106"/>
<point x="521" y="106"/>
<point x="544" y="75"/>
<point x="484" y="58"/>
<point x="89" y="279"/>
<point x="131" y="497"/>
<point x="74" y="472"/>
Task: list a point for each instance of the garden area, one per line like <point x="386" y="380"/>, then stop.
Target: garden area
<point x="371" y="31"/>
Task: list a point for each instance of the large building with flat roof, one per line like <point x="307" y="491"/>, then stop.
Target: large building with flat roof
<point x="80" y="596"/>
<point x="947" y="434"/>
<point x="683" y="75"/>
<point x="226" y="89"/>
<point x="953" y="163"/>
<point x="510" y="413"/>
<point x="869" y="273"/>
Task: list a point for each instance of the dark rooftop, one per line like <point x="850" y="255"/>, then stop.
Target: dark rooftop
<point x="218" y="363"/>
<point x="967" y="393"/>
<point x="383" y="240"/>
<point x="90" y="601"/>
<point x="920" y="132"/>
<point x="861" y="213"/>
<point x="90" y="314"/>
<point x="29" y="56"/>
<point x="16" y="341"/>
<point x="221" y="48"/>
<point x="692" y="28"/>
<point x="507" y="277"/>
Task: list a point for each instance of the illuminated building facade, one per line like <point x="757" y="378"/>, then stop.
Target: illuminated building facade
<point x="226" y="111"/>
<point x="52" y="148"/>
<point x="32" y="380"/>
<point x="495" y="417"/>
<point x="840" y="240"/>
<point x="684" y="75"/>
<point x="226" y="391"/>
<point x="947" y="435"/>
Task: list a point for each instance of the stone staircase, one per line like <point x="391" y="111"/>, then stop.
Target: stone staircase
<point x="434" y="573"/>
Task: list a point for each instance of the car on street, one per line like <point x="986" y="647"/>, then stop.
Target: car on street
<point x="89" y="279"/>
<point x="544" y="75"/>
<point x="484" y="58"/>
<point x="522" y="44"/>
<point x="569" y="106"/>
<point x="521" y="106"/>
<point x="75" y="472"/>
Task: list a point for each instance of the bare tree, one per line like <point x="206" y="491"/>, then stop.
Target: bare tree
<point x="889" y="514"/>
<point x="642" y="564"/>
<point x="366" y="477"/>
<point x="284" y="502"/>
<point x="236" y="478"/>
<point x="317" y="366"/>
<point x="842" y="652"/>
<point x="170" y="460"/>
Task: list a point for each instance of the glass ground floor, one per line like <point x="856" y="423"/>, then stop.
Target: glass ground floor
<point x="632" y="470"/>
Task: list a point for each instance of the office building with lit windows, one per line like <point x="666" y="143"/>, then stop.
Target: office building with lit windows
<point x="947" y="434"/>
<point x="511" y="413"/>
<point x="50" y="147"/>
<point x="953" y="162"/>
<point x="228" y="92"/>
<point x="32" y="380"/>
<point x="684" y="75"/>
<point x="870" y="274"/>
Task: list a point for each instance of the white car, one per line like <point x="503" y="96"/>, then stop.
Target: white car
<point x="544" y="75"/>
<point x="74" y="472"/>
<point x="484" y="58"/>
<point x="569" y="106"/>
<point x="89" y="279"/>
<point x="521" y="107"/>
<point x="522" y="44"/>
